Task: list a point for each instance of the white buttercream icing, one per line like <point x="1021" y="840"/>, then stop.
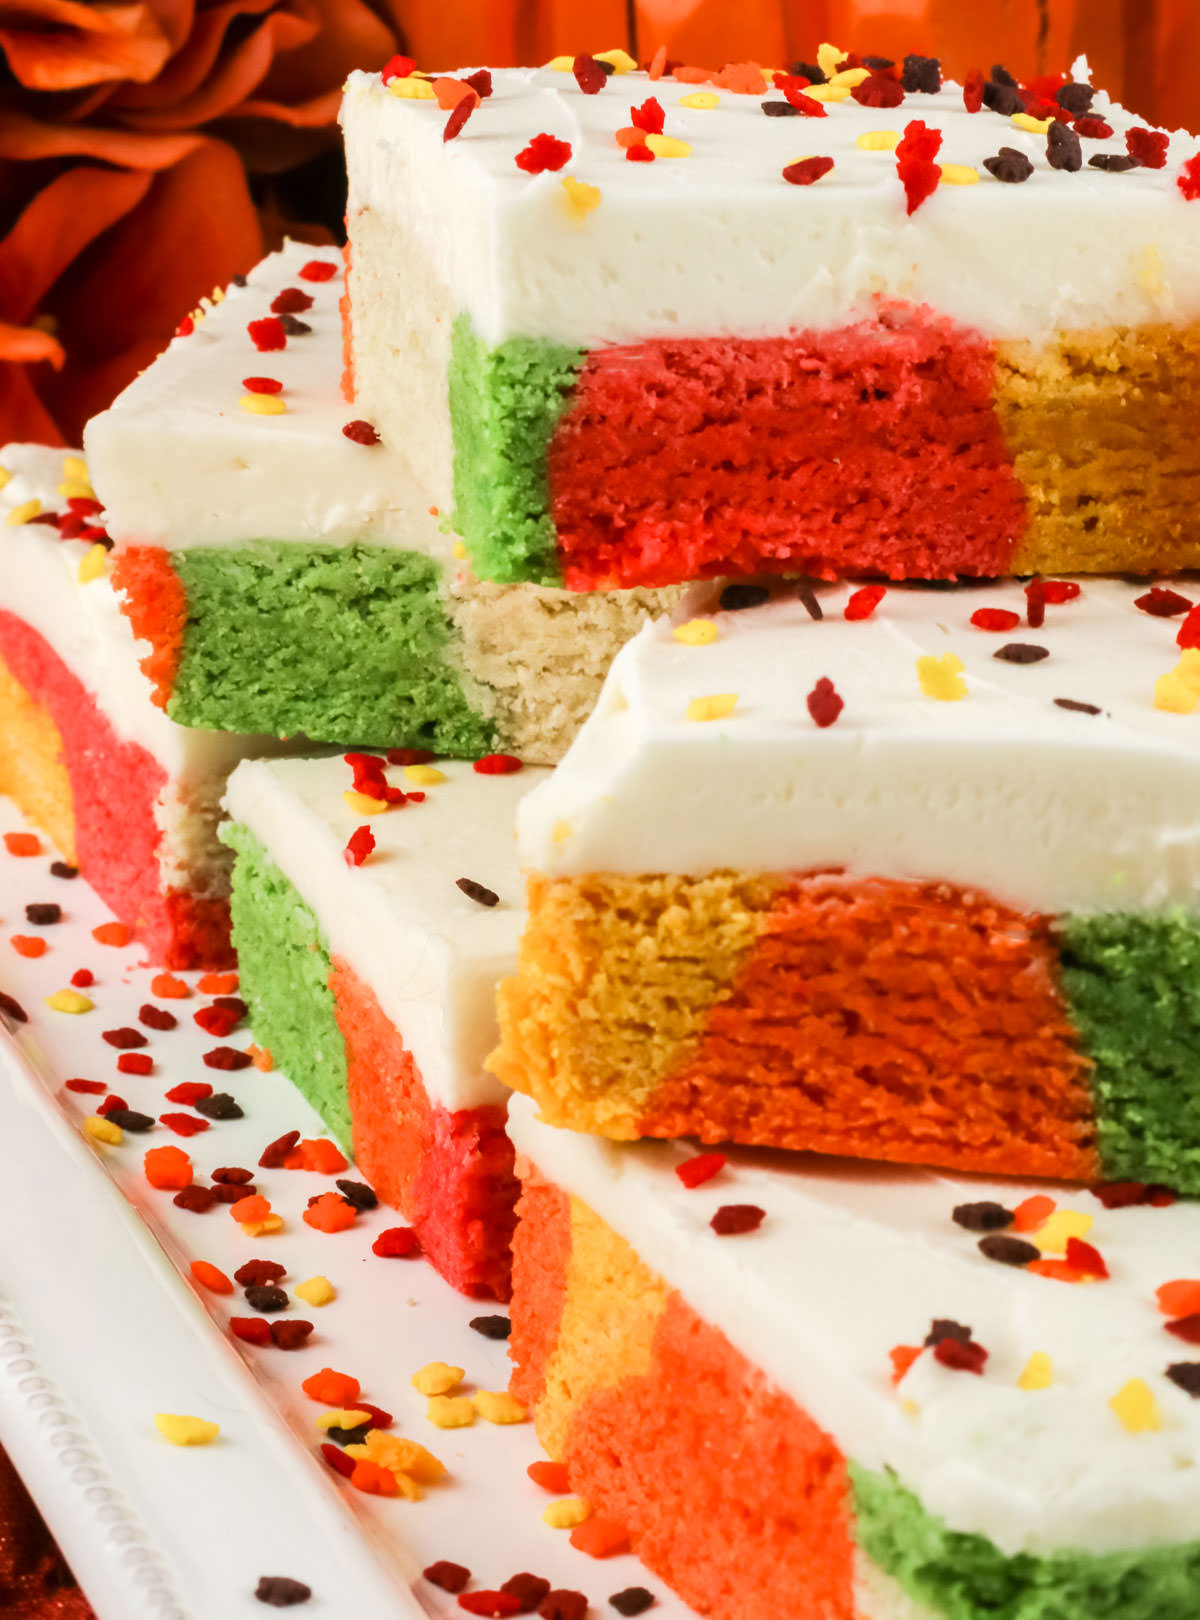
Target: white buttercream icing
<point x="431" y="955"/>
<point x="1046" y="808"/>
<point x="178" y="462"/>
<point x="853" y="1259"/>
<point x="718" y="242"/>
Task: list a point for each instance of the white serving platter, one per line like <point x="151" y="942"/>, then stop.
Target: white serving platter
<point x="101" y="1328"/>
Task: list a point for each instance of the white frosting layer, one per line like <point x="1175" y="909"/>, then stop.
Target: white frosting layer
<point x="853" y="1259"/>
<point x="431" y="955"/>
<point x="718" y="242"/>
<point x="85" y="626"/>
<point x="178" y="462"/>
<point x="1047" y="809"/>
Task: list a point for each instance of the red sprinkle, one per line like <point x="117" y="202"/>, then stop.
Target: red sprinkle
<point x="1120" y="1194"/>
<point x="89" y="1087"/>
<point x="449" y="1577"/>
<point x="153" y="1017"/>
<point x="291" y="301"/>
<point x="358" y="846"/>
<point x="994" y="619"/>
<point x="639" y="153"/>
<point x="262" y="385"/>
<point x="543" y="152"/>
<point x="1162" y="603"/>
<point x="1149" y="146"/>
<point x="317" y="270"/>
<point x="649" y="117"/>
<point x="497" y="765"/>
<point x="397" y="1243"/>
<point x="1186" y="1328"/>
<point x="919" y="173"/>
<point x="494" y="1603"/>
<point x="1093" y="129"/>
<point x="481" y="82"/>
<point x="183" y="1124"/>
<point x="341" y="1464"/>
<point x="960" y="1357"/>
<point x="267" y="334"/>
<point x="864" y="602"/>
<point x="217" y="1021"/>
<point x="290" y="1335"/>
<point x="1086" y="1259"/>
<point x="1058" y="591"/>
<point x="589" y="75"/>
<point x="973" y="87"/>
<point x="253" y="1329"/>
<point x="135" y="1063"/>
<point x="277" y="1151"/>
<point x="793" y="87"/>
<point x="110" y="1102"/>
<point x="880" y="90"/>
<point x="82" y="977"/>
<point x="227" y="1057"/>
<point x="1189" y="178"/>
<point x="807" y="170"/>
<point x="1189" y="630"/>
<point x="189" y="1092"/>
<point x="186" y="327"/>
<point x="823" y="702"/>
<point x="695" y="1172"/>
<point x="732" y="1219"/>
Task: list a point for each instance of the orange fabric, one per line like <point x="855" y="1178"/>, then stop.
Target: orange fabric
<point x="898" y="1021"/>
<point x="541" y="1252"/>
<point x="156" y="605"/>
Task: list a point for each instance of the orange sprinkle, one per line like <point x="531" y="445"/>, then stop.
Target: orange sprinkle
<point x="211" y="1277"/>
<point x="169" y="1169"/>
<point x="1033" y="1212"/>
<point x="902" y="1357"/>
<point x="261" y="1058"/>
<point x="693" y="75"/>
<point x="318" y="1154"/>
<point x="600" y="1538"/>
<point x="247" y="1211"/>
<point x="1178" y="1298"/>
<point x="28" y="945"/>
<point x="217" y="984"/>
<point x="332" y="1388"/>
<point x="330" y="1213"/>
<point x="1059" y="1271"/>
<point x="168" y="988"/>
<point x="375" y="1480"/>
<point x="112" y="933"/>
<point x="551" y="1476"/>
<point x="742" y="78"/>
<point x="658" y="63"/>
<point x="22" y="843"/>
<point x="450" y="92"/>
<point x="628" y="135"/>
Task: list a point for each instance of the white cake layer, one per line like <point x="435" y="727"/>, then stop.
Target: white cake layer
<point x="83" y="623"/>
<point x="1046" y="808"/>
<point x="179" y="462"/>
<point x="432" y="956"/>
<point x="853" y="1259"/>
<point x="718" y="242"/>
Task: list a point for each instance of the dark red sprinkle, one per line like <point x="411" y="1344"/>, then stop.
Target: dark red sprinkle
<point x="973" y="90"/>
<point x="986" y="1216"/>
<point x="1120" y="1194"/>
<point x="1162" y="603"/>
<point x="196" y="1198"/>
<point x="1161" y="1197"/>
<point x="563" y="1605"/>
<point x="481" y="82"/>
<point x="63" y="869"/>
<point x="189" y="1092"/>
<point x="227" y="1057"/>
<point x="92" y="1087"/>
<point x="528" y="1589"/>
<point x="13" y="1009"/>
<point x="358" y="1194"/>
<point x="445" y="1575"/>
<point x="220" y="1106"/>
<point x="293" y="326"/>
<point x="807" y="170"/>
<point x="110" y="1102"/>
<point x="397" y="1243"/>
<point x="135" y="1063"/>
<point x="124" y="1039"/>
<point x="1187" y="1375"/>
<point x="1008" y="1251"/>
<point x="277" y="1151"/>
<point x="379" y="1418"/>
<point x="960" y="1357"/>
<point x="234" y="1194"/>
<point x="1186" y="1328"/>
<point x="880" y="90"/>
<point x="156" y="1017"/>
<point x="343" y="1465"/>
<point x="1093" y="129"/>
<point x="183" y="1124"/>
<point x="589" y="75"/>
<point x="410" y="756"/>
<point x="459" y="114"/>
<point x="266" y="1297"/>
<point x="361" y="432"/>
<point x="1021" y="652"/>
<point x="476" y="891"/>
<point x="291" y="301"/>
<point x="267" y="334"/>
<point x="491" y="1327"/>
<point x="732" y="1219"/>
<point x="290" y="1335"/>
<point x="82" y="978"/>
<point x="281" y="1591"/>
<point x="823" y="703"/>
<point x="233" y="1174"/>
<point x="253" y="1329"/>
<point x="216" y="1021"/>
<point x="497" y="1604"/>
<point x="43" y="913"/>
<point x="633" y="1600"/>
<point x="255" y="1272"/>
<point x="1148" y="146"/>
<point x="1035" y="604"/>
<point x="943" y="1327"/>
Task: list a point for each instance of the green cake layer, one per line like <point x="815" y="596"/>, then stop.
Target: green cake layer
<point x="342" y="644"/>
<point x="505" y="403"/>
<point x="284" y="969"/>
<point x="965" y="1577"/>
<point x="1132" y="985"/>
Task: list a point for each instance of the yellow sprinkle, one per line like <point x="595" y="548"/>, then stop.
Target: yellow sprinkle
<point x="567" y="1513"/>
<point x="941" y="677"/>
<point x="701" y="100"/>
<point x="437" y="1378"/>
<point x="580" y="198"/>
<point x="23" y="513"/>
<point x="267" y="404"/>
<point x="450" y="1411"/>
<point x="828" y="57"/>
<point x="959" y="174"/>
<point x="1174" y="694"/>
<point x="1035" y="126"/>
<point x="878" y="140"/>
<point x="827" y="92"/>
<point x="316" y="1291"/>
<point x="498" y="1406"/>
<point x="75" y="470"/>
<point x="363" y="804"/>
<point x="910" y="1408"/>
<point x="185" y="1431"/>
<point x="5" y="477"/>
<point x="347" y="1418"/>
<point x="560" y="64"/>
<point x="562" y="831"/>
<point x="92" y="565"/>
<point x="76" y="490"/>
<point x="218" y="295"/>
<point x="620" y="60"/>
<point x="1136" y="1407"/>
<point x="717" y="706"/>
<point x="460" y="550"/>
<point x="696" y="632"/>
<point x="423" y="775"/>
<point x="1051" y="1238"/>
<point x="69" y="1001"/>
<point x="851" y="76"/>
<point x="410" y="1464"/>
<point x="103" y="1130"/>
<point x="1038" y="1372"/>
<point x="412" y="89"/>
<point x="263" y="1228"/>
<point x="666" y="146"/>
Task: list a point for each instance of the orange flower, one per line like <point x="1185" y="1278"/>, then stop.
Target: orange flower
<point x="127" y="147"/>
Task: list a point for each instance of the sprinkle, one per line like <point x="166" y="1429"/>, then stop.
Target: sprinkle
<point x="102" y="1130"/>
<point x="1178" y="691"/>
<point x="262" y="385"/>
<point x="1178" y="1298"/>
<point x="267" y="334"/>
<point x="959" y="174"/>
<point x="491" y="1327"/>
<point x="877" y="90"/>
<point x="12" y="1009"/>
<point x="1009" y="166"/>
<point x="361" y="432"/>
<point x="23" y="513"/>
<point x="22" y="844"/>
<point x="879" y="140"/>
<point x="986" y="1216"/>
<point x="543" y="152"/>
<point x="412" y="89"/>
<point x="696" y="632"/>
<point x="1162" y="603"/>
<point x="915" y="166"/>
<point x="667" y="146"/>
<point x="589" y="75"/>
<point x="717" y="706"/>
<point x="124" y="1039"/>
<point x="562" y="1604"/>
<point x="28" y="945"/>
<point x="823" y="703"/>
<point x="973" y="91"/>
<point x="580" y="197"/>
<point x="731" y="1220"/>
<point x="317" y="270"/>
<point x="567" y="1513"/>
<point x="1037" y="1373"/>
<point x="600" y="1538"/>
<point x="359" y="1194"/>
<point x="185" y="1431"/>
<point x="1021" y="652"/>
<point x="329" y="1213"/>
<point x="281" y="1591"/>
<point x="477" y="892"/>
<point x="1076" y="706"/>
<point x="862" y="603"/>
<point x="619" y="60"/>
<point x="226" y="1057"/>
<point x="1085" y="1259"/>
<point x="135" y="1063"/>
<point x="112" y="933"/>
<point x="1035" y="126"/>
<point x="1093" y="129"/>
<point x="1113" y="162"/>
<point x="1186" y="1328"/>
<point x="423" y="775"/>
<point x="1136" y="1407"/>
<point x="263" y="404"/>
<point x="1063" y="1224"/>
<point x="941" y="677"/>
<point x="498" y="1406"/>
<point x="437" y="1378"/>
<point x="695" y="1172"/>
<point x="69" y="1001"/>
<point x="1063" y="150"/>
<point x="397" y="1243"/>
<point x="1186" y="1374"/>
<point x="497" y="1605"/>
<point x="358" y="846"/>
<point x="497" y="765"/>
<point x="632" y="1600"/>
<point x="450" y="1411"/>
<point x="995" y="619"/>
<point x="363" y="804"/>
<point x="447" y="1576"/>
<point x="93" y="564"/>
<point x="805" y="171"/>
<point x="700" y="100"/>
<point x="169" y="988"/>
<point x="1148" y="146"/>
<point x="961" y="1355"/>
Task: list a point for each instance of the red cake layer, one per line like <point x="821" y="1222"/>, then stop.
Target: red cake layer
<point x="874" y="448"/>
<point x="115" y="786"/>
<point x="450" y="1172"/>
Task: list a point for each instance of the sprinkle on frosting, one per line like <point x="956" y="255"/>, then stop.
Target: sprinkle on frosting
<point x="716" y="706"/>
<point x="823" y="703"/>
<point x="1037" y="1373"/>
<point x="806" y="171"/>
<point x="1136" y="1407"/>
<point x="543" y="152"/>
<point x="696" y="632"/>
<point x="940" y="677"/>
